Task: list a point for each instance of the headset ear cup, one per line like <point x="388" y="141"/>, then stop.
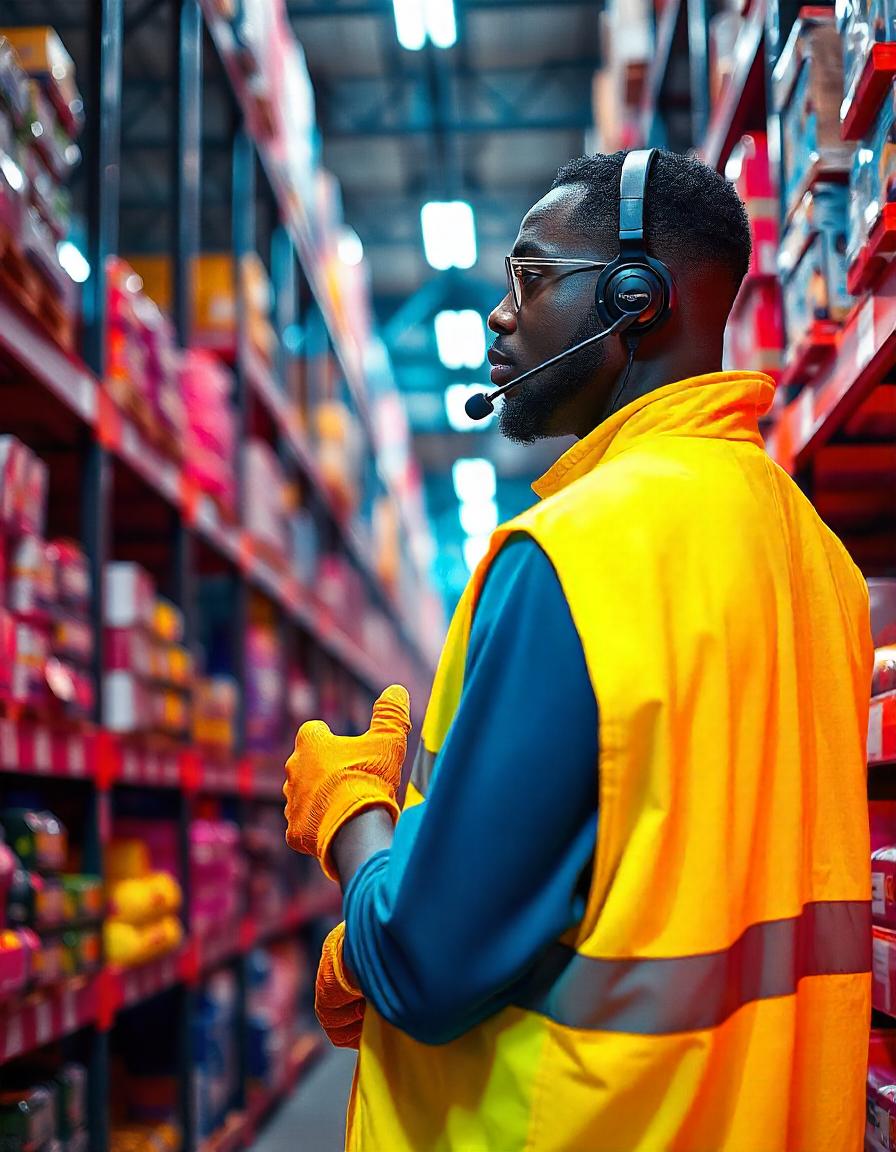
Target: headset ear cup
<point x="627" y="288"/>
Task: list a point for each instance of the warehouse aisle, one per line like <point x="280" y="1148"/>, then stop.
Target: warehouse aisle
<point x="313" y="1119"/>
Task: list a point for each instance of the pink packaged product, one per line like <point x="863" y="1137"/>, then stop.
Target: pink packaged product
<point x="127" y="650"/>
<point x="880" y="1114"/>
<point x="32" y="650"/>
<point x="130" y="596"/>
<point x="883" y="887"/>
<point x="32" y="592"/>
<point x="206" y="388"/>
<point x="7" y="651"/>
<point x="23" y="487"/>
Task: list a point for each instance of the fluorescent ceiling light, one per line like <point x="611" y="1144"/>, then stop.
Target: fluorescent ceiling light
<point x="475" y="547"/>
<point x="478" y="517"/>
<point x="460" y="338"/>
<point x="441" y="23"/>
<point x="449" y="234"/>
<point x="410" y="25"/>
<point x="456" y="397"/>
<point x="474" y="479"/>
<point x="350" y="248"/>
<point x="73" y="261"/>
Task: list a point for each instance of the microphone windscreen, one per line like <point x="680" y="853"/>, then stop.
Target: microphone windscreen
<point x="479" y="406"/>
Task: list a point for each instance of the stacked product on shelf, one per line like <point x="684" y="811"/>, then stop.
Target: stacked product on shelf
<point x="143" y="893"/>
<point x="142" y="360"/>
<point x="51" y="915"/>
<point x="265" y="686"/>
<point x="340" y="454"/>
<point x="148" y="671"/>
<point x="266" y="500"/>
<point x="215" y="710"/>
<point x="217" y="875"/>
<point x="206" y="387"/>
<point x="278" y="985"/>
<point x="46" y="637"/>
<point x="304" y="539"/>
<point x="215" y="1057"/>
<point x="812" y="261"/>
<point x="872" y="182"/>
<point x="276" y="874"/>
<point x="862" y="24"/>
<point x="44" y="1108"/>
<point x="41" y="117"/>
<point x="215" y="294"/>
<point x="883" y="814"/>
<point x="808" y="87"/>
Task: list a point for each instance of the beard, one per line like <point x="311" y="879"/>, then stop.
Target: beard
<point x="527" y="411"/>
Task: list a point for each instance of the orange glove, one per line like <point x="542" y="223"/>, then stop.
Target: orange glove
<point x="339" y="1005"/>
<point x="331" y="779"/>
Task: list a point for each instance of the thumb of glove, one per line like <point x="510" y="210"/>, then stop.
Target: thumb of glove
<point x="392" y="711"/>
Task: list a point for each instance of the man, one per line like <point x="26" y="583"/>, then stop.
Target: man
<point x="632" y="911"/>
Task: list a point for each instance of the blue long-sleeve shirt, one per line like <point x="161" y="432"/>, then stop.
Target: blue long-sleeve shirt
<point x="493" y="866"/>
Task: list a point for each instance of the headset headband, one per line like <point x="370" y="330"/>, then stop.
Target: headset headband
<point x="632" y="187"/>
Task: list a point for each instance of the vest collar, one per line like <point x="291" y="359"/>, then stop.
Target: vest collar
<point x="718" y="405"/>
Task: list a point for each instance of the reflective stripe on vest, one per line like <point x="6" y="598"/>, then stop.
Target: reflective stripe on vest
<point x="657" y="997"/>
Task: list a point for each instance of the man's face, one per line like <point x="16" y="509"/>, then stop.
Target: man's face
<point x="557" y="311"/>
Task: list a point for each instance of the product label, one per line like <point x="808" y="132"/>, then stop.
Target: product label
<point x="880" y="964"/>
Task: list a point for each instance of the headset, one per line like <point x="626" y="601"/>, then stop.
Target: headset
<point x="634" y="293"/>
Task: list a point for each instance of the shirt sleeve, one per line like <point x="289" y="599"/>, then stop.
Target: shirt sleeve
<point x="493" y="866"/>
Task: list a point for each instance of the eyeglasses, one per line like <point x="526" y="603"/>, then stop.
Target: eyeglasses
<point x="518" y="267"/>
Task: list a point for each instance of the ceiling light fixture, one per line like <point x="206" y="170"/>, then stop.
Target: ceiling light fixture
<point x="478" y="517"/>
<point x="449" y="234"/>
<point x="474" y="479"/>
<point x="460" y="339"/>
<point x="441" y="22"/>
<point x="410" y="25"/>
<point x="475" y="547"/>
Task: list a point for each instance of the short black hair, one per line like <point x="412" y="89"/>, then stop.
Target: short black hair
<point x="693" y="215"/>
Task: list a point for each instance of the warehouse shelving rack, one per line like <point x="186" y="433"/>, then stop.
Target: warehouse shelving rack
<point x="111" y="488"/>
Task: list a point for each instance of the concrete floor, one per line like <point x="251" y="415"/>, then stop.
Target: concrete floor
<point x="313" y="1118"/>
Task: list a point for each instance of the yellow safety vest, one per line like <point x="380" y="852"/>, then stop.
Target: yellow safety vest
<point x="716" y="994"/>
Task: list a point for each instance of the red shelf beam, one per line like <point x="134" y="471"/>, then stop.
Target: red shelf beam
<point x="858" y="111"/>
<point x="876" y="254"/>
<point x="47" y="1015"/>
<point x="864" y="354"/>
<point x="34" y="352"/>
<point x="42" y="748"/>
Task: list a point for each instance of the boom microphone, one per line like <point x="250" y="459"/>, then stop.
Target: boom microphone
<point x="481" y="405"/>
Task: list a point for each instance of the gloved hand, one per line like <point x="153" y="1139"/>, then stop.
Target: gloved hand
<point x="338" y="1004"/>
<point x="330" y="779"/>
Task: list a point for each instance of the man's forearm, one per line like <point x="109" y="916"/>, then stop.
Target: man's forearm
<point x="359" y="839"/>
